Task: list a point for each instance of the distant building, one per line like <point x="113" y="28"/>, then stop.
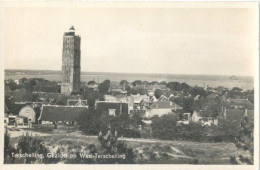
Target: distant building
<point x="70" y="62"/>
<point x="160" y="108"/>
<point x="197" y="116"/>
<point x="113" y="108"/>
<point x="240" y="104"/>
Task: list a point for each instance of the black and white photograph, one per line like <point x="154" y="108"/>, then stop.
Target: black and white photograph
<point x="144" y="83"/>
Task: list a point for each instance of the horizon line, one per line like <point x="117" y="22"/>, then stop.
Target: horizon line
<point x="135" y="73"/>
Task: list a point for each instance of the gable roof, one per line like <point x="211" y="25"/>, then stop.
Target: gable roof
<point x="61" y="113"/>
<point x="212" y="95"/>
<point x="165" y="105"/>
<point x="77" y="102"/>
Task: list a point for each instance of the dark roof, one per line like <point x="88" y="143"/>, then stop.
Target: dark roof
<point x="165" y="105"/>
<point x="61" y="113"/>
<point x="15" y="108"/>
<point x="45" y="95"/>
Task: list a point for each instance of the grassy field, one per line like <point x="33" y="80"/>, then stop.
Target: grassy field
<point x="146" y="150"/>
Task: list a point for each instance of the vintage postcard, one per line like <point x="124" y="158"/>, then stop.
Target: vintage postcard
<point x="114" y="84"/>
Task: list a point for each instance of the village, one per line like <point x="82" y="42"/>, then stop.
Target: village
<point x="38" y="101"/>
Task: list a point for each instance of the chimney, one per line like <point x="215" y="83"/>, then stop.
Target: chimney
<point x="225" y="113"/>
<point x="245" y="115"/>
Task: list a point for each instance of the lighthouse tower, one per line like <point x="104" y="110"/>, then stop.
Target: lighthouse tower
<point x="70" y="62"/>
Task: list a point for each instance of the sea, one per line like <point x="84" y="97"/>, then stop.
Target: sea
<point x="244" y="82"/>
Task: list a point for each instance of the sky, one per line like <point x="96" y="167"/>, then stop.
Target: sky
<point x="217" y="41"/>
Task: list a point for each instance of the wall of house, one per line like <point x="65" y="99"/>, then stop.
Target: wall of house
<point x="28" y="112"/>
<point x="159" y="112"/>
<point x="195" y="117"/>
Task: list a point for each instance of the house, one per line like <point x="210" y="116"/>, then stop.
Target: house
<point x="162" y="107"/>
<point x="240" y="104"/>
<point x="114" y="108"/>
<point x="57" y="113"/>
<point x="16" y="121"/>
<point x="29" y="113"/>
<point x="197" y="116"/>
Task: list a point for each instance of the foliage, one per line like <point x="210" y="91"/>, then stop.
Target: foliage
<point x="104" y="87"/>
<point x="245" y="143"/>
<point x="111" y="146"/>
<point x="8" y="149"/>
<point x="29" y="144"/>
<point x="158" y="93"/>
<point x="192" y="131"/>
<point x="164" y="127"/>
<point x="198" y="91"/>
<point x="185" y="102"/>
<point x="177" y="86"/>
<point x="123" y="82"/>
<point x="137" y="82"/>
<point x="92" y="122"/>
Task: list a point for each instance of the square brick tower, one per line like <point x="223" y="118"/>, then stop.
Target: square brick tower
<point x="70" y="62"/>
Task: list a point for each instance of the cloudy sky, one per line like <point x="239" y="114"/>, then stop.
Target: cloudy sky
<point x="219" y="41"/>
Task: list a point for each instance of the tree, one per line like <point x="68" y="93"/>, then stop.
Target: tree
<point x="165" y="127"/>
<point x="93" y="121"/>
<point x="198" y="91"/>
<point x="158" y="93"/>
<point x="163" y="83"/>
<point x="104" y="87"/>
<point x="8" y="149"/>
<point x="193" y="131"/>
<point x="174" y="86"/>
<point x="137" y="82"/>
<point x="29" y="144"/>
<point x="154" y="83"/>
<point x="123" y="83"/>
<point x="111" y="146"/>
<point x="245" y="143"/>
